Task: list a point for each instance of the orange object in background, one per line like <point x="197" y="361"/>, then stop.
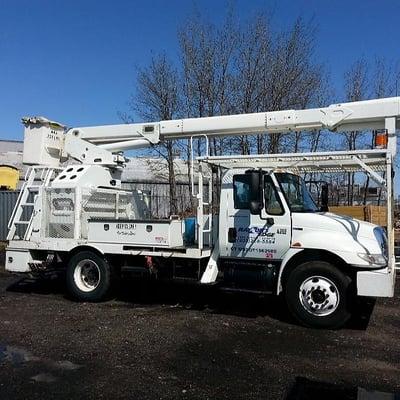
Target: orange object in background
<point x="381" y="139"/>
<point x="370" y="213"/>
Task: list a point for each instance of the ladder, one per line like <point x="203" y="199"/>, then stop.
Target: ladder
<point x="203" y="218"/>
<point x="35" y="178"/>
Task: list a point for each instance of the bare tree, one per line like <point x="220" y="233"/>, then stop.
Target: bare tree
<point x="233" y="68"/>
<point x="356" y="89"/>
<point x="382" y="78"/>
<point x="206" y="54"/>
<point x="383" y="85"/>
<point x="292" y="78"/>
<point x="157" y="99"/>
<point x="251" y="57"/>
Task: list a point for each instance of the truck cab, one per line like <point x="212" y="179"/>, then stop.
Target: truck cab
<point x="273" y="237"/>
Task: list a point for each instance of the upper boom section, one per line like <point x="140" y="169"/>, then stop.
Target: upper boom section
<point x="95" y="144"/>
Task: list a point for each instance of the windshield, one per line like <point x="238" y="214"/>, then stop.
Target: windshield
<point x="296" y="193"/>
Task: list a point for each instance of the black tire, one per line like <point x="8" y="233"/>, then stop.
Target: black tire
<point x="100" y="277"/>
<point x="319" y="295"/>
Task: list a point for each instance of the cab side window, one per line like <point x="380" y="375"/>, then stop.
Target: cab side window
<point x="273" y="205"/>
<point x="241" y="192"/>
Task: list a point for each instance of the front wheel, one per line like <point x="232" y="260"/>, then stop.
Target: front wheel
<point x="318" y="295"/>
<point x="89" y="276"/>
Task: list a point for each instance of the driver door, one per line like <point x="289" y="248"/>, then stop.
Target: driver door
<point x="264" y="236"/>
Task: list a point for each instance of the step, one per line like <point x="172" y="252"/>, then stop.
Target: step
<point x="27" y="204"/>
<point x="21" y="222"/>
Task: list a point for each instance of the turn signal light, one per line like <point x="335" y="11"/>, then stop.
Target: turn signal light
<point x="381" y="139"/>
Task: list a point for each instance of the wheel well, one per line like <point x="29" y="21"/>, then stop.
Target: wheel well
<point x="314" y="255"/>
<point x="76" y="250"/>
<point x="113" y="260"/>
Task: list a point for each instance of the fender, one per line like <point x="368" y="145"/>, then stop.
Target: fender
<point x="86" y="247"/>
<point x="288" y="256"/>
<point x="309" y="254"/>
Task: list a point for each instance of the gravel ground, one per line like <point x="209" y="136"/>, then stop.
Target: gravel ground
<point x="185" y="342"/>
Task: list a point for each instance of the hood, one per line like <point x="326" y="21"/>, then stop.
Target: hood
<point x="333" y="222"/>
<point x="337" y="233"/>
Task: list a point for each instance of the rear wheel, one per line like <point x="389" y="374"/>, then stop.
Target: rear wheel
<point x="318" y="295"/>
<point x="89" y="276"/>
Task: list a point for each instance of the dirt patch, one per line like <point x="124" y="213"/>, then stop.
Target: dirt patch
<point x="183" y="342"/>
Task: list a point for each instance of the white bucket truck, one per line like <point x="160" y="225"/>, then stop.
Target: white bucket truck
<point x="269" y="236"/>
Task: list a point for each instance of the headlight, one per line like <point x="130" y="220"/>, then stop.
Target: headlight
<point x="373" y="259"/>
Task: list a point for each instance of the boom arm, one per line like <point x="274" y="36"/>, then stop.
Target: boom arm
<point x="96" y="144"/>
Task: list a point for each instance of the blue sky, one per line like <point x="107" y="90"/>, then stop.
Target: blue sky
<point x="74" y="61"/>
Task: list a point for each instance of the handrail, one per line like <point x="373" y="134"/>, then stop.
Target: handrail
<point x="192" y="157"/>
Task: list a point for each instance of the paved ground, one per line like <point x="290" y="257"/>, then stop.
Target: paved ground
<point x="179" y="342"/>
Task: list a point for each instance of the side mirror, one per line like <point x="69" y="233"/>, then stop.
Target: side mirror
<point x="324" y="198"/>
<point x="256" y="207"/>
<point x="256" y="192"/>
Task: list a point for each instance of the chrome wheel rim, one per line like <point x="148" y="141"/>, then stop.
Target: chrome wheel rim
<point x="87" y="275"/>
<point x="319" y="296"/>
